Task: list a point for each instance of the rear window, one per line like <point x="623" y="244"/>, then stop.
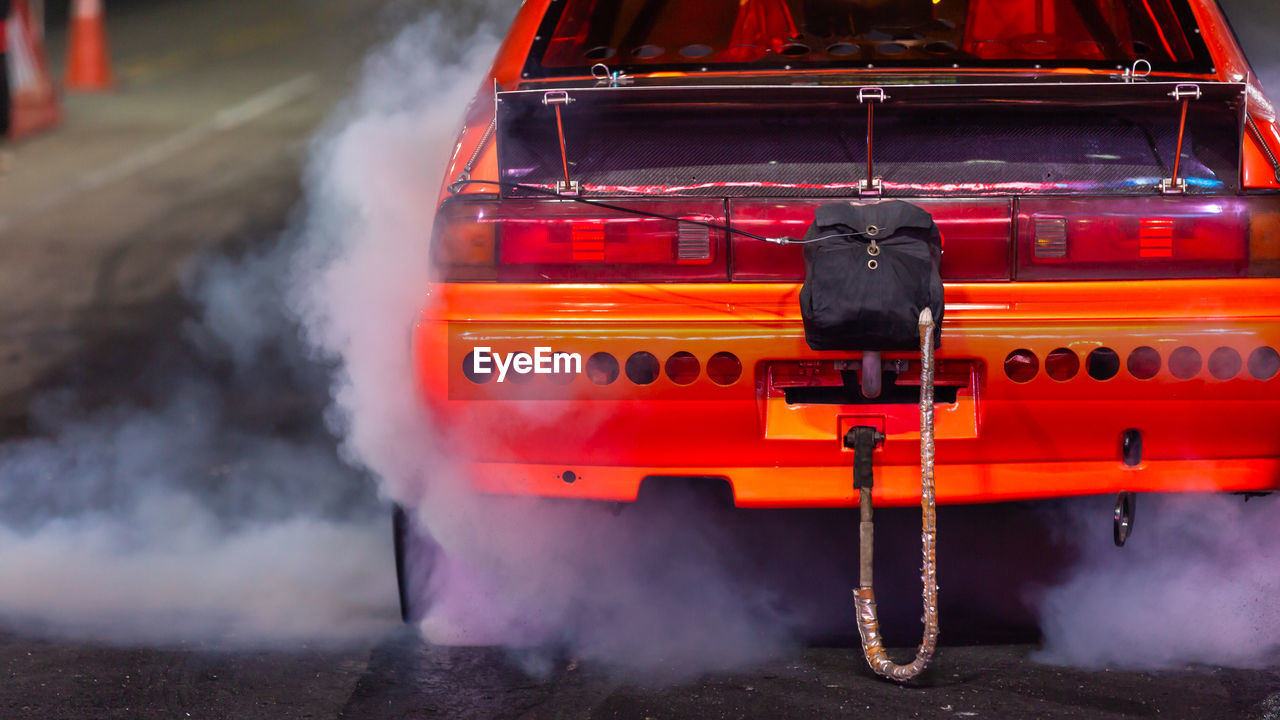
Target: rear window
<point x="644" y="36"/>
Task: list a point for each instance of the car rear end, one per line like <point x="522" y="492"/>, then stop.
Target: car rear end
<point x="1111" y="252"/>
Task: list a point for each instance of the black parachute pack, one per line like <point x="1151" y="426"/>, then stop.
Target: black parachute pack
<point x="869" y="272"/>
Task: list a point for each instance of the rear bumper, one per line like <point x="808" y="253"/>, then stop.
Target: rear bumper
<point x="782" y="487"/>
<point x="1004" y="441"/>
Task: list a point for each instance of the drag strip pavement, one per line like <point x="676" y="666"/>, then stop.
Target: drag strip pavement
<point x="229" y="119"/>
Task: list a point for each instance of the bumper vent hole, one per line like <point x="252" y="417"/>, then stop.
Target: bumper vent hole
<point x="1021" y="366"/>
<point x="683" y="368"/>
<point x="469" y="369"/>
<point x="1264" y="363"/>
<point x="1225" y="363"/>
<point x="1144" y="363"/>
<point x="1103" y="363"/>
<point x="1185" y="363"/>
<point x="602" y="368"/>
<point x="1062" y="364"/>
<point x="642" y="368"/>
<point x="724" y="368"/>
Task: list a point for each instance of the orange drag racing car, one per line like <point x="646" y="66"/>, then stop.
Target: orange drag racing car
<point x="1104" y="174"/>
<point x="618" y="293"/>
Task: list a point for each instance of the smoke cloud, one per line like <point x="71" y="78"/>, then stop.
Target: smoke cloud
<point x="213" y="504"/>
<point x="1197" y="582"/>
<point x="195" y="511"/>
<point x="653" y="591"/>
<point x="1254" y="23"/>
<point x="178" y="517"/>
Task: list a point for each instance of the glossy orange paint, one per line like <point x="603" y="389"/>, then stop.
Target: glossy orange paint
<point x="1001" y="440"/>
<point x="1200" y="433"/>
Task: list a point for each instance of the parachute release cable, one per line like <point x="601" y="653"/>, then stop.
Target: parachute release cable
<point x="863" y="440"/>
<point x="455" y="186"/>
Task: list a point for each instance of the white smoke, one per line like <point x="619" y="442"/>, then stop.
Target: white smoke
<point x="1197" y="582"/>
<point x="1254" y="23"/>
<point x="175" y="523"/>
<point x="190" y="513"/>
<point x="660" y="592"/>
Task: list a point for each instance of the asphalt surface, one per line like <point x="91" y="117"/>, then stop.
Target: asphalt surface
<point x="91" y="303"/>
<point x="196" y="150"/>
<point x="401" y="677"/>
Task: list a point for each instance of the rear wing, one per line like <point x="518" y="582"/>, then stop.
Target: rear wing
<point x="906" y="140"/>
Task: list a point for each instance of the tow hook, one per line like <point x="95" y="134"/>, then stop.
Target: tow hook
<point x="863" y="440"/>
<point x="1123" y="522"/>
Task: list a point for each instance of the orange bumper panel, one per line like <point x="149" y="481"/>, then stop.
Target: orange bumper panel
<point x="1191" y="365"/>
<point x="896" y="485"/>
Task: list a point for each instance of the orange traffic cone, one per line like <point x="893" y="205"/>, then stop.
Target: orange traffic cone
<point x="34" y="104"/>
<point x="88" y="63"/>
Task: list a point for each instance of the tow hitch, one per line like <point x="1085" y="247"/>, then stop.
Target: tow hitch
<point x="863" y="440"/>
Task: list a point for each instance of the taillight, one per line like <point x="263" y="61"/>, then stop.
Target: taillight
<point x="464" y="242"/>
<point x="554" y="240"/>
<point x="1132" y="238"/>
<point x="1264" y="237"/>
<point x="1095" y="238"/>
<point x="976" y="233"/>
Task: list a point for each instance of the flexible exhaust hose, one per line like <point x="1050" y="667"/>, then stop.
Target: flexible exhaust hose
<point x="865" y="596"/>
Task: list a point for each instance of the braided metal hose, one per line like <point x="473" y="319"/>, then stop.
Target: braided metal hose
<point x="865" y="596"/>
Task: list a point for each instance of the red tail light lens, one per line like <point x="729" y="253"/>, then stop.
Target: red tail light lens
<point x="541" y="241"/>
<point x="1264" y="238"/>
<point x="976" y="232"/>
<point x="1116" y="238"/>
<point x="464" y="243"/>
<point x="1132" y="238"/>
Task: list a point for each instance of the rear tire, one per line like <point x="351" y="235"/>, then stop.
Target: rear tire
<point x="416" y="553"/>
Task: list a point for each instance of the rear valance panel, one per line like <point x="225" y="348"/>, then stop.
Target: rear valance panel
<point x="929" y="140"/>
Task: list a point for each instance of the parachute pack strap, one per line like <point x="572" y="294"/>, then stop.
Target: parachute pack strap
<point x="865" y="597"/>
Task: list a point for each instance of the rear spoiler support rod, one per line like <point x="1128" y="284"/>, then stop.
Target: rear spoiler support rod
<point x="557" y="98"/>
<point x="1175" y="184"/>
<point x="872" y="186"/>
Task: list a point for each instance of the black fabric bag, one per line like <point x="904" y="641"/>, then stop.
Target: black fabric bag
<point x="865" y="291"/>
